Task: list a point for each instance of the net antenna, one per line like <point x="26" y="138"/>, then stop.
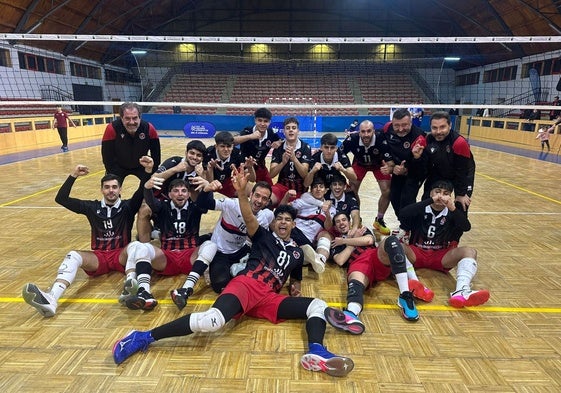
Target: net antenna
<point x="304" y="108"/>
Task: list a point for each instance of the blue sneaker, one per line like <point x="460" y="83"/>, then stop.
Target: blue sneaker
<point x="319" y="358"/>
<point x="407" y="304"/>
<point x="344" y="320"/>
<point x="134" y="341"/>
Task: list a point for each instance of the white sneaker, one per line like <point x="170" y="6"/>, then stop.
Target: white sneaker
<point x="313" y="258"/>
<point x="130" y="289"/>
<point x="42" y="301"/>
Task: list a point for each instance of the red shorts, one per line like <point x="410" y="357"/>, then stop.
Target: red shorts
<point x="258" y="300"/>
<point x="262" y="174"/>
<point x="280" y="189"/>
<point x="370" y="265"/>
<point x="430" y="259"/>
<point x="108" y="262"/>
<point x="177" y="262"/>
<point x="361" y="172"/>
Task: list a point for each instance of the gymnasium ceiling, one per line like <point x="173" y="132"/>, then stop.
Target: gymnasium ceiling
<point x="289" y="18"/>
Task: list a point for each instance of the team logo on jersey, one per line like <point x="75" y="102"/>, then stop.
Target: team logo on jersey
<point x="296" y="254"/>
<point x="447" y="148"/>
<point x="142" y="136"/>
<point x="406" y="145"/>
<point x="268" y="143"/>
<point x="298" y="154"/>
<point x="443" y="221"/>
<point x="432" y="149"/>
<point x="375" y="151"/>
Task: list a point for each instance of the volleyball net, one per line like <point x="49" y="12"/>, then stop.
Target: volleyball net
<point x="349" y="78"/>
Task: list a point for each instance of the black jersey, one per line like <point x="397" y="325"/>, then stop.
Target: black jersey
<point x="367" y="156"/>
<point x="168" y="164"/>
<point x="400" y="147"/>
<point x="357" y="250"/>
<point x="430" y="229"/>
<point x="225" y="173"/>
<point x="272" y="260"/>
<point x="179" y="227"/>
<point x="289" y="176"/>
<point x="258" y="149"/>
<point x="346" y="204"/>
<point x="110" y="225"/>
<point x="327" y="171"/>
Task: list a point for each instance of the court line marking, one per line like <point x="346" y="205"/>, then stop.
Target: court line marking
<point x="368" y="306"/>
<point x="519" y="188"/>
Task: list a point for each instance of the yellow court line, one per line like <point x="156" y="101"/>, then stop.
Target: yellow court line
<point x="519" y="188"/>
<point x="45" y="191"/>
<point x="369" y="306"/>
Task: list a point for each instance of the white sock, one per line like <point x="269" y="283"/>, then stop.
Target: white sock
<point x="144" y="281"/>
<point x="465" y="271"/>
<point x="191" y="280"/>
<point x="354" y="307"/>
<point x="402" y="282"/>
<point x="57" y="290"/>
<point x="411" y="274"/>
<point x="131" y="275"/>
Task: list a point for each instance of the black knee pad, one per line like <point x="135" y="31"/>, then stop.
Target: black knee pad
<point x="395" y="252"/>
<point x="355" y="292"/>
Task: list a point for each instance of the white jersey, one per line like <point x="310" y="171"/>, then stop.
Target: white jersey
<point x="310" y="219"/>
<point x="230" y="232"/>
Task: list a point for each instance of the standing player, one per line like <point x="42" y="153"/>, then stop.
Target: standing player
<point x="367" y="265"/>
<point x="257" y="141"/>
<point x="433" y="223"/>
<point x="61" y="124"/>
<point x="370" y="150"/>
<point x="328" y="161"/>
<point x="446" y="156"/>
<point x="230" y="240"/>
<point x="179" y="220"/>
<point x="255" y="292"/>
<point x="401" y="135"/>
<point x="111" y="221"/>
<point x="219" y="159"/>
<point x="127" y="139"/>
<point x="290" y="163"/>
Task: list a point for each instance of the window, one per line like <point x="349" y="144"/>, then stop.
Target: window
<point x="85" y="71"/>
<point x="5" y="60"/>
<point x="30" y="61"/>
<point x="500" y="74"/>
<point x="467" y="79"/>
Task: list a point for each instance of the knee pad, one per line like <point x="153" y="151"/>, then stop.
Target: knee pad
<point x="316" y="309"/>
<point x="69" y="267"/>
<point x="355" y="292"/>
<point x="209" y="321"/>
<point x="137" y="251"/>
<point x="324" y="244"/>
<point x="207" y="251"/>
<point x="395" y="252"/>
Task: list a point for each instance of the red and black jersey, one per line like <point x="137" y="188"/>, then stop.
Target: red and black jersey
<point x="430" y="229"/>
<point x="272" y="260"/>
<point x="110" y="225"/>
<point x="289" y="176"/>
<point x="346" y="204"/>
<point x="357" y="250"/>
<point x="179" y="227"/>
<point x="168" y="164"/>
<point x="223" y="175"/>
<point x="327" y="171"/>
<point x="367" y="156"/>
<point x="119" y="149"/>
<point x="258" y="149"/>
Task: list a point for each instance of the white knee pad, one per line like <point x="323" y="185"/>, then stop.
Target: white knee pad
<point x="69" y="267"/>
<point x="139" y="251"/>
<point x="316" y="309"/>
<point x="207" y="322"/>
<point x="324" y="244"/>
<point x="207" y="251"/>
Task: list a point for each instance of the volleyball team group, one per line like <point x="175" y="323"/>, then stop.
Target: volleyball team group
<point x="270" y="230"/>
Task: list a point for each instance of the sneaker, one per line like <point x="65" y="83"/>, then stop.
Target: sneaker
<point x="420" y="291"/>
<point x="134" y="341"/>
<point x="44" y="302"/>
<point x="180" y="295"/>
<point x="407" y="304"/>
<point x="130" y="289"/>
<point x="344" y="320"/>
<point x="381" y="226"/>
<point x="64" y="149"/>
<point x="468" y="298"/>
<point x="142" y="301"/>
<point x="402" y="235"/>
<point x="313" y="258"/>
<point x="319" y="358"/>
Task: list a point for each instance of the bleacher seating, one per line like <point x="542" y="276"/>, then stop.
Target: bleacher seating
<point x="33" y="110"/>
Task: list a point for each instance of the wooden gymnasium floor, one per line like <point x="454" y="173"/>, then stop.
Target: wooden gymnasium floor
<point x="512" y="344"/>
